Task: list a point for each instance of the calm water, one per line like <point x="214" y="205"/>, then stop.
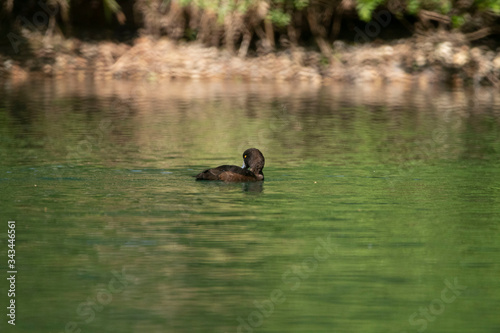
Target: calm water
<point x="379" y="213"/>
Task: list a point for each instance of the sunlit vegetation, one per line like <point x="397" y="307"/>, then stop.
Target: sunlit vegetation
<point x="243" y="25"/>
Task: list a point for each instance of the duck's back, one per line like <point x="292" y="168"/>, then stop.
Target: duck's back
<point x="228" y="173"/>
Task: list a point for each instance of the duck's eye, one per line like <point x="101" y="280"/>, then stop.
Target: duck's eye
<point x="244" y="156"/>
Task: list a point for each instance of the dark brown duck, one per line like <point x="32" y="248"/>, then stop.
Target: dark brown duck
<point x="253" y="163"/>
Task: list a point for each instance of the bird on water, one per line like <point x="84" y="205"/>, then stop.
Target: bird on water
<point x="253" y="163"/>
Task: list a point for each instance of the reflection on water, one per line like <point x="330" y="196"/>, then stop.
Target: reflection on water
<point x="379" y="211"/>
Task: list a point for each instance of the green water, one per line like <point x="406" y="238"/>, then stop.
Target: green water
<point x="379" y="213"/>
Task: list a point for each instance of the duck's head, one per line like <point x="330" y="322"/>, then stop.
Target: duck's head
<point x="254" y="161"/>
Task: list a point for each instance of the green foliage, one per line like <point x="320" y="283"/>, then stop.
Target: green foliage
<point x="413" y="6"/>
<point x="243" y="6"/>
<point x="441" y="6"/>
<point x="457" y="21"/>
<point x="365" y="8"/>
<point x="493" y="5"/>
<point x="300" y="4"/>
<point x="279" y="18"/>
<point x="277" y="12"/>
<point x="446" y="7"/>
<point x="248" y="14"/>
<point x="110" y="7"/>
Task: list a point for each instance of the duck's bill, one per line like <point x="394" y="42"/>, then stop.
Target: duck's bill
<point x="243" y="166"/>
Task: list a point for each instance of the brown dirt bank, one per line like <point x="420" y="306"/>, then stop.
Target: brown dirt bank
<point x="442" y="57"/>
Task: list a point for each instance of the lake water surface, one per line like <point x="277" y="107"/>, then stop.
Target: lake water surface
<point x="379" y="212"/>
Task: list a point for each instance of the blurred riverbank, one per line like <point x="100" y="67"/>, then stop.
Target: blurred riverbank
<point x="442" y="57"/>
